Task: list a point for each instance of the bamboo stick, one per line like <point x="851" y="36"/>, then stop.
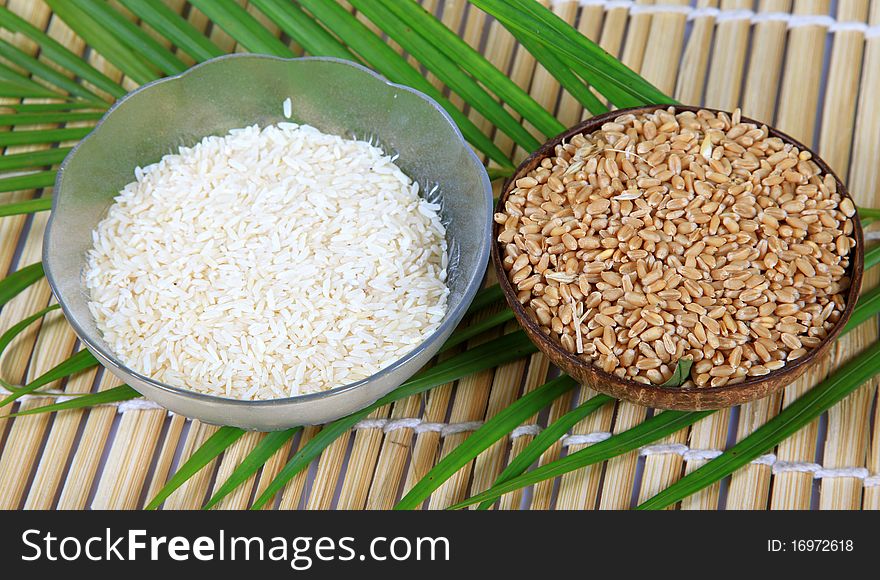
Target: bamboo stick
<point x="728" y="58"/>
<point x="864" y="182"/>
<point x="292" y="494"/>
<point x="165" y="459"/>
<point x="271" y="469"/>
<point x="695" y="58"/>
<point x="665" y="38"/>
<point x="798" y="102"/>
<point x="750" y="486"/>
<point x="368" y="443"/>
<point x="504" y="391"/>
<point x="239" y="499"/>
<point x="536" y="374"/>
<point x="765" y="66"/>
<point x="192" y="493"/>
<point x="728" y="55"/>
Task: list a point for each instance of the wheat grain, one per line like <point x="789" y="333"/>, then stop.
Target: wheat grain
<point x="680" y="234"/>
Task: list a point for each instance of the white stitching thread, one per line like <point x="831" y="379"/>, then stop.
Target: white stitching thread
<point x="585" y="438"/>
<point x="791" y="20"/>
<point x="445" y="429"/>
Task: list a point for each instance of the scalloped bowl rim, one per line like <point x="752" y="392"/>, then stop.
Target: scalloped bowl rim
<point x="452" y="319"/>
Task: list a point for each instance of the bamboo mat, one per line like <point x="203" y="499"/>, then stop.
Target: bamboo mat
<point x="811" y="67"/>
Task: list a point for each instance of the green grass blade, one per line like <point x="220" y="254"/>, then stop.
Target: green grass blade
<point x="491" y="431"/>
<point x="545" y="439"/>
<point x="211" y="448"/>
<point x="42" y="136"/>
<point x="20" y="119"/>
<point x="12" y="84"/>
<point x="261" y="453"/>
<point x="53" y="107"/>
<point x="21" y="325"/>
<point x="175" y="28"/>
<point x="868" y="212"/>
<point x="114" y="50"/>
<point x="609" y="76"/>
<point x="14" y="283"/>
<point x="30" y="181"/>
<point x="872" y="257"/>
<point x="16" y="56"/>
<point x="241" y="26"/>
<point x="562" y="73"/>
<point x="447" y="70"/>
<point x="866" y="308"/>
<point x="55" y="51"/>
<point x="79" y="362"/>
<point x="301" y="28"/>
<point x="133" y="36"/>
<point x="792" y="419"/>
<point x="486" y="297"/>
<point x="489" y="355"/>
<point x="656" y="428"/>
<point x="114" y="395"/>
<point x="496" y="173"/>
<point x="468" y="332"/>
<point x="429" y="27"/>
<point x="395" y="68"/>
<point x="33" y="159"/>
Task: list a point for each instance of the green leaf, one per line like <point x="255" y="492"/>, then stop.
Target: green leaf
<point x="496" y="173"/>
<point x="429" y="27"/>
<point x="19" y="327"/>
<point x="33" y="158"/>
<point x="15" y="55"/>
<point x="113" y="49"/>
<point x="133" y="36"/>
<point x="55" y="51"/>
<point x="53" y="107"/>
<point x="301" y="28"/>
<point x="609" y="76"/>
<point x="792" y="419"/>
<point x="384" y="59"/>
<point x="12" y="84"/>
<point x="20" y="119"/>
<point x="681" y="373"/>
<point x="659" y="426"/>
<point x="468" y="332"/>
<point x="81" y="361"/>
<point x="42" y="136"/>
<point x="174" y="27"/>
<point x="546" y="438"/>
<point x="489" y="355"/>
<point x="261" y="453"/>
<point x="241" y="26"/>
<point x="868" y="212"/>
<point x="492" y="430"/>
<point x="14" y="283"/>
<point x="114" y="395"/>
<point x="447" y="70"/>
<point x="486" y="297"/>
<point x="211" y="448"/>
<point x="872" y="257"/>
<point x="36" y="180"/>
<point x="866" y="309"/>
<point x="562" y="73"/>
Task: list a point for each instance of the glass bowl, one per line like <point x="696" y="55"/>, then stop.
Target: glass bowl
<point x="337" y="97"/>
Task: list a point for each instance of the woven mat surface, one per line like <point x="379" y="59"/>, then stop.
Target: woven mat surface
<point x="811" y="67"/>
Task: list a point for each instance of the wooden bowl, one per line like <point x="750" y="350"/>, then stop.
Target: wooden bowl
<point x="680" y="398"/>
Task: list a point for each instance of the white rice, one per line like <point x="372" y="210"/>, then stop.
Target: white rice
<point x="268" y="263"/>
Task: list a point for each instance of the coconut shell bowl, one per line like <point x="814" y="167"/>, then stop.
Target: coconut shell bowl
<point x="688" y="396"/>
